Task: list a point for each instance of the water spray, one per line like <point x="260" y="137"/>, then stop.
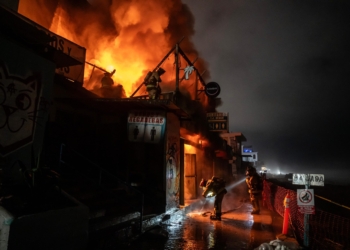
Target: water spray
<point x="210" y="199"/>
<point x="234" y="184"/>
<point x="205" y="202"/>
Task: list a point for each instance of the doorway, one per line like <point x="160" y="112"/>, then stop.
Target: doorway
<point x="190" y="185"/>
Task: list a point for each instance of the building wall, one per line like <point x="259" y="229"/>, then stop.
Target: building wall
<point x="172" y="161"/>
<point x="26" y="81"/>
<point x="235" y="141"/>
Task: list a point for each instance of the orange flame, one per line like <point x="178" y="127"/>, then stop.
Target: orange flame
<point x="130" y="36"/>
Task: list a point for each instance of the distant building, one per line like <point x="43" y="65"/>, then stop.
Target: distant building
<point x="248" y="155"/>
<point x="235" y="141"/>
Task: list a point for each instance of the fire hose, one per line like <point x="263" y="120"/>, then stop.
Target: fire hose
<point x="205" y="214"/>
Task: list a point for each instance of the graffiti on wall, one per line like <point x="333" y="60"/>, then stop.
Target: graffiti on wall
<point x="172" y="172"/>
<point x="19" y="100"/>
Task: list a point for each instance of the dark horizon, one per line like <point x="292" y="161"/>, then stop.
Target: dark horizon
<point x="283" y="72"/>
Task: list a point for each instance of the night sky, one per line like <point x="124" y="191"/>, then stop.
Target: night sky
<point x="284" y="71"/>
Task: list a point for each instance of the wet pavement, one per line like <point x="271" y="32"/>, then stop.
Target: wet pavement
<point x="192" y="229"/>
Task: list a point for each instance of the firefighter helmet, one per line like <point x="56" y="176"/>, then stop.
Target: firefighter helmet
<point x="203" y="183"/>
<point x="250" y="170"/>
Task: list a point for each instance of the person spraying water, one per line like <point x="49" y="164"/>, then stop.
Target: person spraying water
<point x="215" y="187"/>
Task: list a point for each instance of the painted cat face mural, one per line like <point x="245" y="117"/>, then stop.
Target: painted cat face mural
<point x="18" y="109"/>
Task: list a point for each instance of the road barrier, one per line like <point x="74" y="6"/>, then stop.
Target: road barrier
<point x="286" y="214"/>
<point x="326" y="230"/>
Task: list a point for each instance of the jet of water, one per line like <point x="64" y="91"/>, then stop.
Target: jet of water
<point x="235" y="184"/>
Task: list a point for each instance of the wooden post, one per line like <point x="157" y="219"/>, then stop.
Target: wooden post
<point x="177" y="82"/>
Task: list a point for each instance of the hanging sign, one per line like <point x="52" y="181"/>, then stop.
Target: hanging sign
<point x="212" y="89"/>
<point x="146" y="126"/>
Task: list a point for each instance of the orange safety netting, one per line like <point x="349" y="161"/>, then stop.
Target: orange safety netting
<point x="326" y="230"/>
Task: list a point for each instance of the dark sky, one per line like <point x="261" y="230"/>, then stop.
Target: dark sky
<point x="284" y="71"/>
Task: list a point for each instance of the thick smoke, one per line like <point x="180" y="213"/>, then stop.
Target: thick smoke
<point x="131" y="36"/>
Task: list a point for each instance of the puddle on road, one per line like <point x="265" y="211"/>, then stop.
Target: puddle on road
<point x="199" y="232"/>
<point x="236" y="230"/>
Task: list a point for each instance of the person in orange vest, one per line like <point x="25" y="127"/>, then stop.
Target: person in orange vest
<point x="254" y="183"/>
<point x="214" y="187"/>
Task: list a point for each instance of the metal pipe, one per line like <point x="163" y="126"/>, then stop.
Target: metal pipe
<point x="104" y="70"/>
<point x="177" y="68"/>
<point x="306" y="217"/>
<point x="141" y="213"/>
<point x="333" y="202"/>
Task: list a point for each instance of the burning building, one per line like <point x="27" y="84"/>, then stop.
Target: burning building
<point x="119" y="97"/>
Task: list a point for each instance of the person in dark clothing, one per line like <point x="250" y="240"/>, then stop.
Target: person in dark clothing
<point x="214" y="187"/>
<point x="254" y="182"/>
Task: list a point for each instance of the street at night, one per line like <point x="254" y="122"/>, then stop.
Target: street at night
<point x="178" y="125"/>
<point x="192" y="229"/>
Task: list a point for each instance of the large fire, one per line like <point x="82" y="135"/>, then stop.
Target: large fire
<point x="130" y="36"/>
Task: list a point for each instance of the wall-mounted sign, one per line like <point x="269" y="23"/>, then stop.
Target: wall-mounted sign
<point x="212" y="89"/>
<point x="74" y="72"/>
<point x="218" y="121"/>
<point x="311" y="179"/>
<point x="146" y="126"/>
<point x="306" y="201"/>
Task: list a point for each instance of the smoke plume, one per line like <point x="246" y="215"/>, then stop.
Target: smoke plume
<point x="131" y="36"/>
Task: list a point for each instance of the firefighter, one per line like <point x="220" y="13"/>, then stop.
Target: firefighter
<point x="254" y="184"/>
<point x="152" y="81"/>
<point x="107" y="84"/>
<point x="214" y="187"/>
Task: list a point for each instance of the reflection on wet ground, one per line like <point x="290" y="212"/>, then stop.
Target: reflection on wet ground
<point x="238" y="229"/>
